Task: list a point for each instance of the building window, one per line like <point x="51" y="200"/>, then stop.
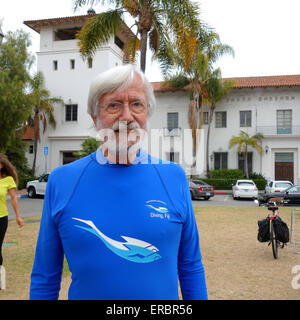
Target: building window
<point x="72" y="64"/>
<point x="220" y="160"/>
<point x="66" y="34"/>
<point x="71" y="112"/>
<point x="173" y="156"/>
<point x="90" y="62"/>
<point x="119" y="42"/>
<point x="205" y="117"/>
<point x="284" y="121"/>
<point x="55" y="65"/>
<point x="68" y="157"/>
<point x="241" y="161"/>
<point x="221" y="119"/>
<point x="245" y="118"/>
<point x="30" y="148"/>
<point x="172" y="120"/>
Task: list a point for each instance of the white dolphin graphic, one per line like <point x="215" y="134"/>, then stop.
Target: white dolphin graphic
<point x="132" y="249"/>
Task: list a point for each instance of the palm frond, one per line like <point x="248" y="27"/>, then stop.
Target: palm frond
<point x="98" y="30"/>
<point x="234" y="141"/>
<point x="130" y="50"/>
<point x="178" y="80"/>
<point x="80" y="3"/>
<point x="133" y="7"/>
<point x="154" y="39"/>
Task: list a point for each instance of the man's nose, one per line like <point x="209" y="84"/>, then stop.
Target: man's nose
<point x="126" y="113"/>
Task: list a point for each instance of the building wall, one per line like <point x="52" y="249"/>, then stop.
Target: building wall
<point x="263" y="104"/>
<point x="72" y="86"/>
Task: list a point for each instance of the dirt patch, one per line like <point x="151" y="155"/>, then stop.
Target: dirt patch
<point x="237" y="265"/>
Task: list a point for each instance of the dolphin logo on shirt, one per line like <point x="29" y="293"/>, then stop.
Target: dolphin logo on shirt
<point x="155" y="206"/>
<point x="159" y="209"/>
<point x="132" y="249"/>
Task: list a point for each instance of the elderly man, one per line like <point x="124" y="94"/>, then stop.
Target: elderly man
<point x="123" y="219"/>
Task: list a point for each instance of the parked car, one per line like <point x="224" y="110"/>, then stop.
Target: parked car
<point x="200" y="189"/>
<point x="244" y="189"/>
<point x="37" y="187"/>
<point x="277" y="186"/>
<point x="291" y="196"/>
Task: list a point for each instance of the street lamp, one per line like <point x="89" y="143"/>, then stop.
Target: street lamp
<point x="1" y="36"/>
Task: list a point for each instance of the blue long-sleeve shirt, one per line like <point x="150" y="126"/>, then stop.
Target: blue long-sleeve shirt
<point x="128" y="232"/>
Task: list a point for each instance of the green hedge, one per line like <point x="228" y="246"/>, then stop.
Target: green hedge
<point x="226" y="184"/>
<point x="226" y="174"/>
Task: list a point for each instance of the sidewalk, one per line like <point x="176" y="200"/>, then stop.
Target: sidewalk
<point x="22" y="193"/>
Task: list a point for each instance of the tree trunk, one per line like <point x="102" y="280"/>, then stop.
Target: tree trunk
<point x="34" y="156"/>
<point x="36" y="128"/>
<point x="194" y="125"/>
<point x="143" y="49"/>
<point x="246" y="162"/>
<point x="212" y="107"/>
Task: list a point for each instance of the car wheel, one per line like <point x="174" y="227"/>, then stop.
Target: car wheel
<point x="31" y="192"/>
<point x="206" y="198"/>
<point x="192" y="196"/>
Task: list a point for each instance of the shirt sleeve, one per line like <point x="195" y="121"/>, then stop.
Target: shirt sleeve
<point x="190" y="268"/>
<point x="48" y="262"/>
<point x="11" y="183"/>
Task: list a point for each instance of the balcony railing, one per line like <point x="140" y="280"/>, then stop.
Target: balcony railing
<point x="278" y="131"/>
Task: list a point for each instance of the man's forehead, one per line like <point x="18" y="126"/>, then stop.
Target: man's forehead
<point x="136" y="87"/>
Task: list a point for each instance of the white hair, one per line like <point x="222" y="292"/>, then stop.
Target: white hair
<point x="119" y="77"/>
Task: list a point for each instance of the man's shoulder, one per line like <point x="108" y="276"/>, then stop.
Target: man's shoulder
<point x="167" y="168"/>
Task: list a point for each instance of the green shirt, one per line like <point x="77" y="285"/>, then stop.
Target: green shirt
<point x="5" y="184"/>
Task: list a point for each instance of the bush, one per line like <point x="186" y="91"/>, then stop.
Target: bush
<point x="89" y="146"/>
<point x="254" y="175"/>
<point x="227" y="174"/>
<point x="220" y="184"/>
<point x="226" y="184"/>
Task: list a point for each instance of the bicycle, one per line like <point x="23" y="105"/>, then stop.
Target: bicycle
<point x="272" y="205"/>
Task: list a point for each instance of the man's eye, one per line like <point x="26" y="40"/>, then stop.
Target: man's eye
<point x="137" y="104"/>
<point x="113" y="106"/>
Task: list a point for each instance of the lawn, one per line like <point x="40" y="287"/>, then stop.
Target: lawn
<point x="237" y="265"/>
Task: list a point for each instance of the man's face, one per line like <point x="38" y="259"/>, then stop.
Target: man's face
<point x="123" y="111"/>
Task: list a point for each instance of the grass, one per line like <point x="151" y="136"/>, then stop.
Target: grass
<point x="237" y="266"/>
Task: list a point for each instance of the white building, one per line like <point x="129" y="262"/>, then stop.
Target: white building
<point x="269" y="105"/>
<point x="69" y="77"/>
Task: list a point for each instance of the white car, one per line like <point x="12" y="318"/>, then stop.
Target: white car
<point x="244" y="189"/>
<point x="37" y="187"/>
<point x="277" y="186"/>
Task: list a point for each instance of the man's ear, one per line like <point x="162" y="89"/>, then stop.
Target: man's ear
<point x="94" y="119"/>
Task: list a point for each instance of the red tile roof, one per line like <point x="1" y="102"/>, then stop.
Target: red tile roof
<point x="247" y="82"/>
<point x="267" y="81"/>
<point x="28" y="134"/>
<point x="37" y="24"/>
<point x="82" y="19"/>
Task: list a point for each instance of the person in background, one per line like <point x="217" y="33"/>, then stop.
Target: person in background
<point x="8" y="185"/>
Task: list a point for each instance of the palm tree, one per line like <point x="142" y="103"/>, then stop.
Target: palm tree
<point x="243" y="141"/>
<point x="194" y="75"/>
<point x="43" y="110"/>
<point x="216" y="90"/>
<point x="154" y="20"/>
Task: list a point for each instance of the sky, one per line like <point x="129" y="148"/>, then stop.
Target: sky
<point x="263" y="33"/>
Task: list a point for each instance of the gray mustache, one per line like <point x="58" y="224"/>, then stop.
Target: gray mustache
<point x="122" y="125"/>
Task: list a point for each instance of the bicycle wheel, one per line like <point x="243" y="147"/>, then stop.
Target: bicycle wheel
<point x="273" y="240"/>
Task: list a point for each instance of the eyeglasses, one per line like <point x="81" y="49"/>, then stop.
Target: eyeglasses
<point x="116" y="107"/>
